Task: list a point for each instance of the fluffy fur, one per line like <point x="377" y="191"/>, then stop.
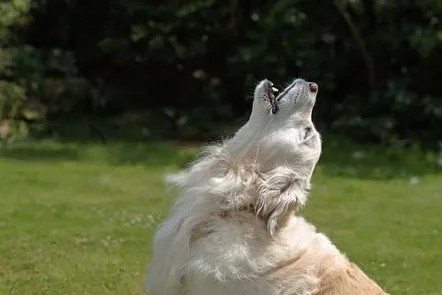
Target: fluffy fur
<point x="232" y="229"/>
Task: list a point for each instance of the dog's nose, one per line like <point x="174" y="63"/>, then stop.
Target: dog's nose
<point x="313" y="87"/>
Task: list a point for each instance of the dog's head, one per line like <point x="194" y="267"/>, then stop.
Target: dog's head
<point x="281" y="142"/>
<point x="280" y="130"/>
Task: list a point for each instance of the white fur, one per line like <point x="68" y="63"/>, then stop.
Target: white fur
<point x="212" y="243"/>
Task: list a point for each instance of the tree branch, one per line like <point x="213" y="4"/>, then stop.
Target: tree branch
<point x="361" y="46"/>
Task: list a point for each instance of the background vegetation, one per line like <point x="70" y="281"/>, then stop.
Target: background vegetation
<point x="184" y="69"/>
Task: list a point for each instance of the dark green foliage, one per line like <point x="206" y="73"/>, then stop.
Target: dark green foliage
<point x="187" y="68"/>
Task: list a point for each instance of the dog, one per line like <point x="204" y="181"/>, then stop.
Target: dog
<point x="233" y="230"/>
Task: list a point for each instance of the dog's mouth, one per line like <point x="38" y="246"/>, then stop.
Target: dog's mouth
<point x="275" y="96"/>
<point x="272" y="93"/>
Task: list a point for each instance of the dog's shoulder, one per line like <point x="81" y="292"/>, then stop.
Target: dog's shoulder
<point x="349" y="280"/>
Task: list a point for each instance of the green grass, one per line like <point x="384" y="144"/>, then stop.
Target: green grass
<point x="78" y="218"/>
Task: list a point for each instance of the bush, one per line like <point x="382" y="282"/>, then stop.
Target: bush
<point x="191" y="65"/>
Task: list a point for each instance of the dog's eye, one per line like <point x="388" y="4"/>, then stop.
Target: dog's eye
<point x="308" y="132"/>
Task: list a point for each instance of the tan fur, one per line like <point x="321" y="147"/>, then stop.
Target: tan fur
<point x="350" y="280"/>
<point x="336" y="275"/>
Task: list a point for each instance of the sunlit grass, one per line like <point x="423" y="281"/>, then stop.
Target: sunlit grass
<point x="78" y="218"/>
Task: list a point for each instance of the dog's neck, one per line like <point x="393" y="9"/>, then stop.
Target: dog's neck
<point x="267" y="144"/>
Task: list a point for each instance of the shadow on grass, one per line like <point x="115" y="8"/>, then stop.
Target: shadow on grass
<point x="152" y="154"/>
<point x="343" y="158"/>
<point x="339" y="158"/>
<point x="32" y="152"/>
<point x="113" y="153"/>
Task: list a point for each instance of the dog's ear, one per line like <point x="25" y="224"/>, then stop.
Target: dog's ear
<point x="280" y="192"/>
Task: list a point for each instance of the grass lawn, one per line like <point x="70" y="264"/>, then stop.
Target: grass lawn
<point x="78" y="218"/>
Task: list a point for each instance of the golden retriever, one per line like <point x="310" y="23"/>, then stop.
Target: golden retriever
<point x="233" y="229"/>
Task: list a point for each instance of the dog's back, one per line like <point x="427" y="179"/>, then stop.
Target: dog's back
<point x="233" y="254"/>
